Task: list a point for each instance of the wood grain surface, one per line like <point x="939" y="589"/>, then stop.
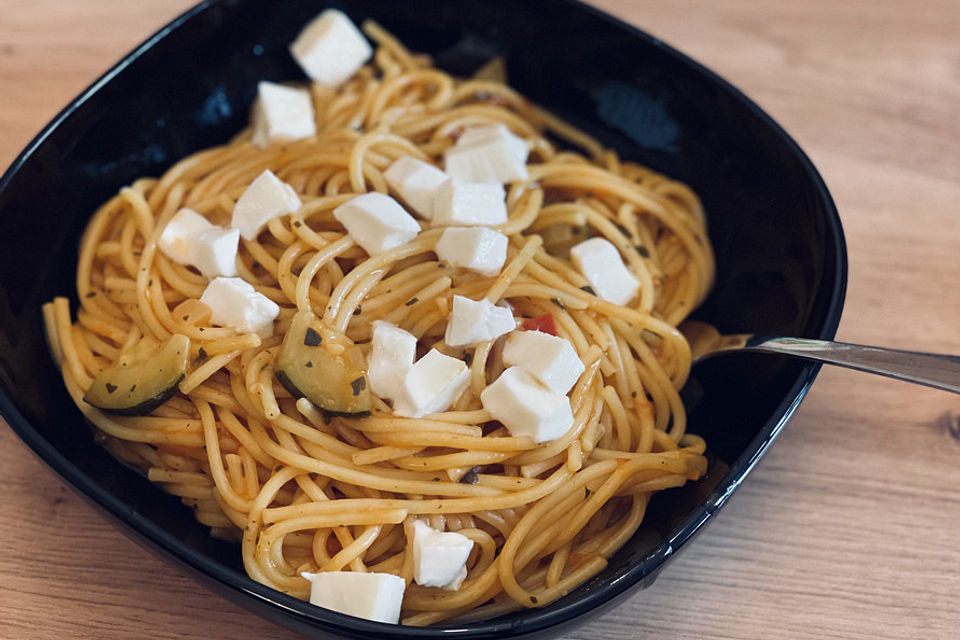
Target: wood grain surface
<point x="849" y="528"/>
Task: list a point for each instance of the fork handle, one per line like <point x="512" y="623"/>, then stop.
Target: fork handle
<point x="929" y="369"/>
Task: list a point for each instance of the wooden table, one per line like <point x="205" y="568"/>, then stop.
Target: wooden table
<point x="849" y="528"/>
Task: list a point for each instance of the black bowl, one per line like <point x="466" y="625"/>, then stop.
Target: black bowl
<point x="779" y="246"/>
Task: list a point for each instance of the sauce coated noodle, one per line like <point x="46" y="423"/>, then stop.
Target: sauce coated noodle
<point x="304" y="492"/>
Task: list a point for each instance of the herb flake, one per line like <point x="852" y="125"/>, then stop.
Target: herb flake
<point x="471" y="477"/>
<point x="358" y="385"/>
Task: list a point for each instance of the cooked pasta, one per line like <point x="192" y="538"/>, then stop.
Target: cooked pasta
<point x="306" y="490"/>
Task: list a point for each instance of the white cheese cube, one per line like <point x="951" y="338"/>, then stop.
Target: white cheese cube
<point x="266" y="198"/>
<point x="330" y="48"/>
<point x="476" y="248"/>
<point x="417" y="182"/>
<point x="551" y="360"/>
<point x="439" y="557"/>
<point x="374" y="596"/>
<point x="281" y="114"/>
<point x="431" y="385"/>
<point x="176" y="239"/>
<point x="526" y="407"/>
<point x="460" y="203"/>
<point x="488" y="154"/>
<point x="376" y="222"/>
<point x="214" y="252"/>
<point x="235" y="303"/>
<point x="391" y="357"/>
<point x="473" y="321"/>
<point x="600" y="262"/>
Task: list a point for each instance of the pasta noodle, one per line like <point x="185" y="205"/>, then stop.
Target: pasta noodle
<point x="304" y="491"/>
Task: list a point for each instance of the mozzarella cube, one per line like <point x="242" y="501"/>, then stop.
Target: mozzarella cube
<point x="417" y="182"/>
<point x="460" y="203"/>
<point x="190" y="239"/>
<point x="374" y="596"/>
<point x="281" y="114"/>
<point x="266" y="198"/>
<point x="235" y="303"/>
<point x="391" y="357"/>
<point x="476" y="248"/>
<point x="488" y="154"/>
<point x="177" y="238"/>
<point x="214" y="252"/>
<point x="376" y="222"/>
<point x="473" y="321"/>
<point x="551" y="360"/>
<point x="600" y="262"/>
<point x="431" y="385"/>
<point x="439" y="557"/>
<point x="330" y="48"/>
<point x="526" y="407"/>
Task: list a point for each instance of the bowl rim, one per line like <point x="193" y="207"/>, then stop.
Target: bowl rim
<point x="304" y="616"/>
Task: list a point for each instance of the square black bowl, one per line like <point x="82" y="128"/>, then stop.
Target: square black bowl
<point x="779" y="246"/>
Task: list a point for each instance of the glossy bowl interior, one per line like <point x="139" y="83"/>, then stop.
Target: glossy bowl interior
<point x="779" y="246"/>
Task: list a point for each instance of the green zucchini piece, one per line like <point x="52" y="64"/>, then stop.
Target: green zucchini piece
<point x="322" y="365"/>
<point x="142" y="379"/>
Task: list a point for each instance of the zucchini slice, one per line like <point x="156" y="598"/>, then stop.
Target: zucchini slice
<point x="322" y="365"/>
<point x="142" y="379"/>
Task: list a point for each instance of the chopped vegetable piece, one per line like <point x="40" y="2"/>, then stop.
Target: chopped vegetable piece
<point x="544" y="323"/>
<point x="322" y="365"/>
<point x="142" y="379"/>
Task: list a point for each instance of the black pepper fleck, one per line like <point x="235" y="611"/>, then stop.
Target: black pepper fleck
<point x="643" y="251"/>
<point x="412" y="301"/>
<point x="111" y="388"/>
<point x="311" y="338"/>
<point x="309" y="364"/>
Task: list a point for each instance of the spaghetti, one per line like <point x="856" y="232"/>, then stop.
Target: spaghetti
<point x="306" y="492"/>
